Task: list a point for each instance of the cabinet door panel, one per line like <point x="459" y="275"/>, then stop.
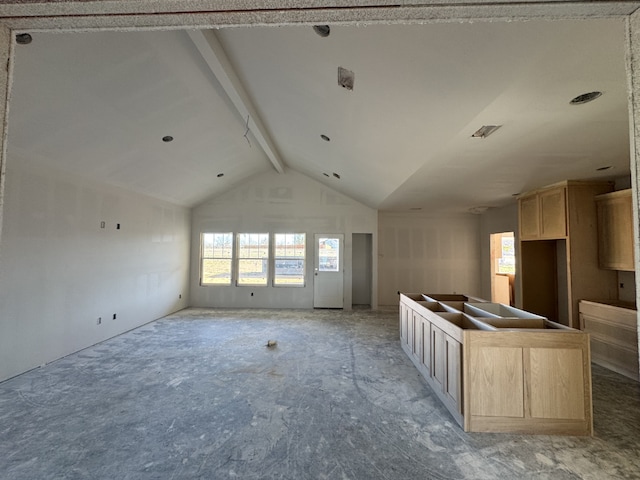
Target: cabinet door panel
<point x="453" y="384"/>
<point x="438" y="356"/>
<point x="556" y="391"/>
<point x="529" y="217"/>
<point x="496" y="379"/>
<point x="426" y="346"/>
<point x="417" y="335"/>
<point x="615" y="233"/>
<point x="553" y="214"/>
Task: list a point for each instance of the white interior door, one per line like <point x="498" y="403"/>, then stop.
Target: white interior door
<point x="328" y="279"/>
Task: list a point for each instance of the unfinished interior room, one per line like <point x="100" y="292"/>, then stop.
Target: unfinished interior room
<point x="319" y="240"/>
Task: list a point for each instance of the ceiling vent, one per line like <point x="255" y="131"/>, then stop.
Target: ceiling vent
<point x="485" y="131"/>
<point x="585" y="98"/>
<point x="346" y="78"/>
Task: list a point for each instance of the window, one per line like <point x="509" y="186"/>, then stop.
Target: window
<point x="328" y="255"/>
<point x="217" y="254"/>
<point x="289" y="259"/>
<point x="253" y="258"/>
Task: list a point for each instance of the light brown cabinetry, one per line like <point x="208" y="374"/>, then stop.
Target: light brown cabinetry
<point x="559" y="259"/>
<point x="614" y="336"/>
<point x="497" y="368"/>
<point x="615" y="231"/>
<point x="543" y="214"/>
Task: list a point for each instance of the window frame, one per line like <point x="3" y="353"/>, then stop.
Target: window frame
<point x="275" y="259"/>
<point x="238" y="259"/>
<point x="203" y="259"/>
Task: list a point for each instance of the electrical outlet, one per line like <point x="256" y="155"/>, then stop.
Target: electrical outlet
<point x="102" y="224"/>
<point x="622" y="285"/>
<point x="114" y="316"/>
<point x="180" y="296"/>
<point x="252" y="294"/>
<point x="99" y="321"/>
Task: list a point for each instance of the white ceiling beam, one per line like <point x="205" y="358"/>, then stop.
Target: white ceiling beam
<point x="214" y="55"/>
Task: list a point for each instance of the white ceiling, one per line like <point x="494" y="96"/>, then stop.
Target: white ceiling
<point x="98" y="104"/>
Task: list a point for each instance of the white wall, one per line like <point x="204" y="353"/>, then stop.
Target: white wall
<point x="426" y="253"/>
<point x="277" y="203"/>
<point x="59" y="271"/>
<point x="498" y="220"/>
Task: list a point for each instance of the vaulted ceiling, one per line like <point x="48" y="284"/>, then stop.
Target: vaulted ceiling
<point x="241" y="101"/>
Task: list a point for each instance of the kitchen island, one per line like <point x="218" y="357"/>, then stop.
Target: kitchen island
<point x="497" y="368"/>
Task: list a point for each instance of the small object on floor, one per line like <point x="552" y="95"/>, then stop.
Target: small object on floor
<point x="272" y="343"/>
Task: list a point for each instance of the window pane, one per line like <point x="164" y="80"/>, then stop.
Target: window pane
<point x="217" y="251"/>
<point x="328" y="254"/>
<point x="289" y="272"/>
<point x="216" y="272"/>
<point x="253" y="258"/>
<point x="289" y="259"/>
<point x="252" y="271"/>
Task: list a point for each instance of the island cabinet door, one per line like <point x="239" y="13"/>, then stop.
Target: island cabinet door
<point x="438" y="357"/>
<point x="425" y="360"/>
<point x="416" y="346"/>
<point x="405" y="312"/>
<point x="453" y="384"/>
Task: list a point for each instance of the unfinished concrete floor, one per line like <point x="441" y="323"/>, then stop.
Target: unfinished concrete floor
<point x="198" y="395"/>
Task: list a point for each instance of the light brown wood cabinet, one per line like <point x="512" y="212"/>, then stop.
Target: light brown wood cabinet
<point x="497" y="368"/>
<point x="614" y="335"/>
<point x="543" y="214"/>
<point x="615" y="231"/>
<point x="559" y="259"/>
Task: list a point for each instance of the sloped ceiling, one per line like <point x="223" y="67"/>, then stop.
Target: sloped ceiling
<point x="98" y="104"/>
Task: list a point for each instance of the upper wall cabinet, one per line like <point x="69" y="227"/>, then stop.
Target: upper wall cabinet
<point x="615" y="231"/>
<point x="543" y="214"/>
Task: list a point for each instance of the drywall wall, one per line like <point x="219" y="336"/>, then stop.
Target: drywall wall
<point x="427" y="253"/>
<point x="278" y="203"/>
<point x="498" y="220"/>
<point x="60" y="271"/>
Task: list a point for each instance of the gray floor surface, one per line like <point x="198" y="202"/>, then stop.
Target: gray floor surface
<point x="198" y="395"/>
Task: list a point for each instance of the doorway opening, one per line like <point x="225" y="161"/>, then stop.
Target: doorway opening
<point x="362" y="269"/>
<point x="503" y="268"/>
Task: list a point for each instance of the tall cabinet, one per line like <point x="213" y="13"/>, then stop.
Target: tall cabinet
<point x="559" y="250"/>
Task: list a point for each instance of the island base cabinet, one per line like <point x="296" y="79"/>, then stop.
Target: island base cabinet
<point x="531" y="383"/>
<point x="499" y="373"/>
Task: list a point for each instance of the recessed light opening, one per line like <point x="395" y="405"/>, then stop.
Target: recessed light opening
<point x="322" y="30"/>
<point x="220" y="175"/>
<point x="325" y="138"/>
<point x="336" y="175"/>
<point x="585" y="98"/>
<point x="346" y="78"/>
<point x="602" y="169"/>
<point x="23" y="39"/>
<point x="326" y="174"/>
<point x="167" y="138"/>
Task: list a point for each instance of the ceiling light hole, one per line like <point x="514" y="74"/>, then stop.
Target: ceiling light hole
<point x="167" y="138"/>
<point x="336" y="175"/>
<point x="220" y="175"/>
<point x="602" y="169"/>
<point x="346" y="78"/>
<point x="23" y="39"/>
<point x="585" y="98"/>
<point x="325" y="138"/>
<point x="326" y="174"/>
<point x="322" y="30"/>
